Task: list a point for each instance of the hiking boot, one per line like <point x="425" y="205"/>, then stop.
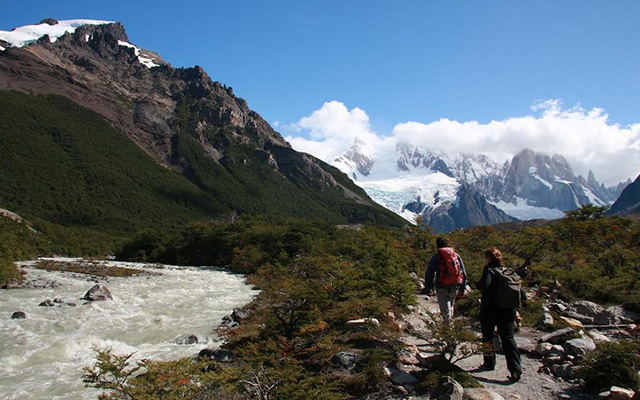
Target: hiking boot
<point x="515" y="375"/>
<point x="489" y="363"/>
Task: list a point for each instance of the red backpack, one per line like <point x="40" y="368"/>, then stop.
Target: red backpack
<point x="450" y="268"/>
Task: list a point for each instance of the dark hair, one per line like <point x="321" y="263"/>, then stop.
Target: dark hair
<point x="493" y="254"/>
<point x="441" y="242"/>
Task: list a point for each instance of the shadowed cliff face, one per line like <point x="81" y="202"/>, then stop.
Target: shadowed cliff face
<point x="629" y="200"/>
<point x="165" y="110"/>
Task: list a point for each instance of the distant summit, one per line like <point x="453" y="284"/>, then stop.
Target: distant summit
<point x="458" y="190"/>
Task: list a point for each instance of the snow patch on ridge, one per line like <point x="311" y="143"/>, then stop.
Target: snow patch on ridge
<point x="26" y="35"/>
<point x="147" y="62"/>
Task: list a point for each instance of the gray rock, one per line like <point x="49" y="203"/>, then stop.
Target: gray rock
<point x="525" y="345"/>
<point x="219" y="355"/>
<point x="545" y="320"/>
<point x="623" y="316"/>
<point x="187" y="339"/>
<point x="19" y="315"/>
<point x="598" y="337"/>
<point x="400" y="377"/>
<point x="559" y="336"/>
<point x="346" y="360"/>
<point x="552" y="359"/>
<point x="240" y="314"/>
<point x="573" y="372"/>
<point x="47" y="303"/>
<point x="544" y="348"/>
<point x="558" y="307"/>
<point x="605" y="318"/>
<point x="481" y="394"/>
<point x="587" y="308"/>
<point x="58" y="300"/>
<point x="447" y="389"/>
<point x="579" y="347"/>
<point x="618" y="393"/>
<point x="557" y="349"/>
<point x="98" y="293"/>
<point x="579" y="317"/>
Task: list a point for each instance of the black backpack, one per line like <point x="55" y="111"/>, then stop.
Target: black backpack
<point x="508" y="287"/>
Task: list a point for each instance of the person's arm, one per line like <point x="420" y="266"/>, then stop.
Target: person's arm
<point x="463" y="287"/>
<point x="431" y="271"/>
<point x="485" y="280"/>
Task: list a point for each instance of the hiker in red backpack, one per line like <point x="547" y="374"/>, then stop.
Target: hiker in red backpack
<point x="447" y="268"/>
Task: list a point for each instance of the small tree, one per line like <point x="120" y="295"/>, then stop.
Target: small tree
<point x="454" y="342"/>
<point x="587" y="212"/>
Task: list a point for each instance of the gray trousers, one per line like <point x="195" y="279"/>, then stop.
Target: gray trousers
<point x="446" y="300"/>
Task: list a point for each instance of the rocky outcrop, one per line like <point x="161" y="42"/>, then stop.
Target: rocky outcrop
<point x="98" y="293"/>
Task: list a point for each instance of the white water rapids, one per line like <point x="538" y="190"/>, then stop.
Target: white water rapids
<point x="43" y="355"/>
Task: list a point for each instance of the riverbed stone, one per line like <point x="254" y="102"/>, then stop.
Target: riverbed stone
<point x="219" y="355"/>
<point x="19" y="315"/>
<point x="98" y="293"/>
<point x="187" y="339"/>
<point x="46" y="303"/>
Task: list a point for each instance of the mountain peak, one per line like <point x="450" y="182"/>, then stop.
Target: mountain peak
<point x="52" y="28"/>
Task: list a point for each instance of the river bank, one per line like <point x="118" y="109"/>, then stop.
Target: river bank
<point x="43" y="355"/>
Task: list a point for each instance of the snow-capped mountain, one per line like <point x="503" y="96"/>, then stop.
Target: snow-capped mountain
<point x="457" y="190"/>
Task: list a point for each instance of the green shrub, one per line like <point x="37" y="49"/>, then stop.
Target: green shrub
<point x="612" y="364"/>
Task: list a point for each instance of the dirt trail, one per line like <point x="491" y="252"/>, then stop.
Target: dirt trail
<point x="532" y="386"/>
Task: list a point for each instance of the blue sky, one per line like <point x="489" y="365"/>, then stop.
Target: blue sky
<point x="398" y="61"/>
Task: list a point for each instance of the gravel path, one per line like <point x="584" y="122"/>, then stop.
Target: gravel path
<point x="532" y="386"/>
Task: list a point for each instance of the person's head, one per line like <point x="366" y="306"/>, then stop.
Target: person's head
<point x="493" y="255"/>
<point x="441" y="242"/>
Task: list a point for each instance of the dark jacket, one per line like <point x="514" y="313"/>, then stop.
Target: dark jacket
<point x="433" y="271"/>
<point x="487" y="284"/>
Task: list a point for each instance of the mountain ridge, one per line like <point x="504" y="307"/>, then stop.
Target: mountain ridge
<point x="187" y="123"/>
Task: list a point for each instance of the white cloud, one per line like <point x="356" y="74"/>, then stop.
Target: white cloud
<point x="585" y="137"/>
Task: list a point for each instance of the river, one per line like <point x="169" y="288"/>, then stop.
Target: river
<point x="43" y="355"/>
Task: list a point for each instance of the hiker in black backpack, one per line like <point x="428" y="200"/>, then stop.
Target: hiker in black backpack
<point x="447" y="268"/>
<point x="498" y="309"/>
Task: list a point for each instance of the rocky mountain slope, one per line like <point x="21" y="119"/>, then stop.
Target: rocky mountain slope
<point x="182" y="119"/>
<point x="415" y="181"/>
<point x="629" y="200"/>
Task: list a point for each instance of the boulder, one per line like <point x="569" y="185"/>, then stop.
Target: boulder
<point x="598" y="337"/>
<point x="558" y="307"/>
<point x="552" y="359"/>
<point x="579" y="347"/>
<point x="219" y="355"/>
<point x="346" y="360"/>
<point x="559" y="336"/>
<point x="58" y="300"/>
<point x="19" y="315"/>
<point x="419" y="283"/>
<point x="447" y="389"/>
<point x="557" y="349"/>
<point x="572" y="322"/>
<point x="98" y="293"/>
<point x="545" y="320"/>
<point x="587" y="308"/>
<point x="46" y="303"/>
<point x="239" y="314"/>
<point x="584" y="319"/>
<point x="573" y="372"/>
<point x="525" y="345"/>
<point x="605" y="318"/>
<point x="481" y="394"/>
<point x="623" y="316"/>
<point x="187" y="339"/>
<point x="400" y="377"/>
<point x="618" y="393"/>
<point x="544" y="348"/>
